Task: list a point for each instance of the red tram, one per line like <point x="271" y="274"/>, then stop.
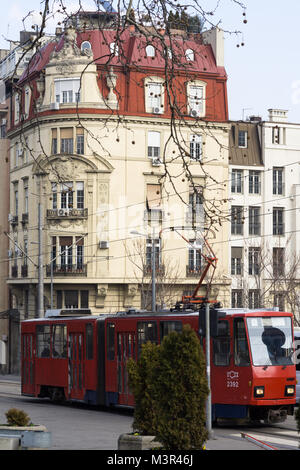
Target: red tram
<point x="83" y="357"/>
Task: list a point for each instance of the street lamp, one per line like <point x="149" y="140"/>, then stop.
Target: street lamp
<point x="135" y="232"/>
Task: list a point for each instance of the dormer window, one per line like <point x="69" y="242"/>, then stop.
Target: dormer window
<point x="150" y="51"/>
<point x="196" y="98"/>
<point x="189" y="55"/>
<point x="86" y="47"/>
<point x="67" y="90"/>
<point x="154" y="95"/>
<point x="114" y="49"/>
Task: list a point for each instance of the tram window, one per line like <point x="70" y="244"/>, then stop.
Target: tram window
<point x="110" y="341"/>
<point x="147" y="331"/>
<point x="167" y="327"/>
<point x="241" y="350"/>
<point x="59" y="341"/>
<point x="43" y="340"/>
<point x="221" y="344"/>
<point x="89" y="341"/>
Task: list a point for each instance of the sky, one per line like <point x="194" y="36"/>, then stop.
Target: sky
<point x="263" y="73"/>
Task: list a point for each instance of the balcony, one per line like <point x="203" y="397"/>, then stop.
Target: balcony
<point x="193" y="271"/>
<point x="159" y="270"/>
<point x="67" y="270"/>
<point x="67" y="213"/>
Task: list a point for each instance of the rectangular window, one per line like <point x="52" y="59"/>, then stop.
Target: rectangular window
<point x="195" y="207"/>
<point x="89" y="341"/>
<point x="71" y="298"/>
<point x="254" y="182"/>
<point x="43" y="340"/>
<point x="241" y="349"/>
<point x="196" y="147"/>
<point x="59" y="341"/>
<point x="279" y="301"/>
<point x="147" y="331"/>
<point x="195" y="100"/>
<point x="237" y="181"/>
<point x="79" y="253"/>
<point x="278" y="135"/>
<point x="254" y="298"/>
<point x="110" y="341"/>
<point x="154" y="97"/>
<point x="26" y="196"/>
<point x="149" y="254"/>
<point x="80" y="194"/>
<point x="84" y="298"/>
<point x="236" y="260"/>
<point x="16" y="199"/>
<point x="167" y="327"/>
<point x="153" y="144"/>
<point x="237" y="298"/>
<point x="278" y="185"/>
<point x="242" y="142"/>
<point x="66" y="140"/>
<point x="237" y="220"/>
<point x="221" y="344"/>
<point x="66" y="253"/>
<point x="278" y="262"/>
<point x="278" y="222"/>
<point x="66" y="195"/>
<point x="254" y="261"/>
<point x="67" y="90"/>
<point x="54" y="142"/>
<point x="79" y="141"/>
<point x="153" y="203"/>
<point x="254" y="220"/>
<point x="194" y="265"/>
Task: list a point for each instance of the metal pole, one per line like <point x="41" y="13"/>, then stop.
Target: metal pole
<point x="153" y="273"/>
<point x="51" y="286"/>
<point x="40" y="266"/>
<point x="207" y="348"/>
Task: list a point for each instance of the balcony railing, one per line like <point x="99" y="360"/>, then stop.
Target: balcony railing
<point x="159" y="270"/>
<point x="67" y="213"/>
<point x="67" y="270"/>
<point x="193" y="271"/>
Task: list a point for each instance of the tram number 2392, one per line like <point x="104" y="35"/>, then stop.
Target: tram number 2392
<point x="232" y="379"/>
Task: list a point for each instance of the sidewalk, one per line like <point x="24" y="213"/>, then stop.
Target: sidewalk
<point x="10" y="378"/>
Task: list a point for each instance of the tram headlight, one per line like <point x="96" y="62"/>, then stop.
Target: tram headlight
<point x="259" y="392"/>
<point x="289" y="390"/>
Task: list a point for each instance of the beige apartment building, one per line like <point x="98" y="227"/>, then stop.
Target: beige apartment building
<point x="91" y="149"/>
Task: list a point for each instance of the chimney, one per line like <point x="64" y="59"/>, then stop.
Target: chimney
<point x="215" y="37"/>
<point x="278" y="115"/>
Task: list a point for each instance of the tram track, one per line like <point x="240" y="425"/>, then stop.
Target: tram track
<point x="281" y="438"/>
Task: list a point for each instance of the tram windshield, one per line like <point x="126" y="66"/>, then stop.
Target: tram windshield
<point x="271" y="340"/>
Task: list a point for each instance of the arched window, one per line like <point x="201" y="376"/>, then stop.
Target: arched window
<point x="150" y="51"/>
<point x="86" y="46"/>
<point x="114" y="48"/>
<point x="189" y="54"/>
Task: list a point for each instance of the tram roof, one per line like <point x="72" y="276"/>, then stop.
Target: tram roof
<point x="59" y="314"/>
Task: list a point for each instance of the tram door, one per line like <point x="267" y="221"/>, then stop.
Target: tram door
<point x="28" y="364"/>
<point x="76" y="366"/>
<point x="126" y="350"/>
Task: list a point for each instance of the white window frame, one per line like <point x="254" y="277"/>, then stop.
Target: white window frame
<point x="150" y="50"/>
<point x="196" y="147"/>
<point x="190" y="55"/>
<point x="154" y="95"/>
<point x="237" y="177"/>
<point x="154" y="142"/>
<point x="196" y="98"/>
<point x="242" y="139"/>
<point x="67" y="90"/>
<point x="114" y="49"/>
